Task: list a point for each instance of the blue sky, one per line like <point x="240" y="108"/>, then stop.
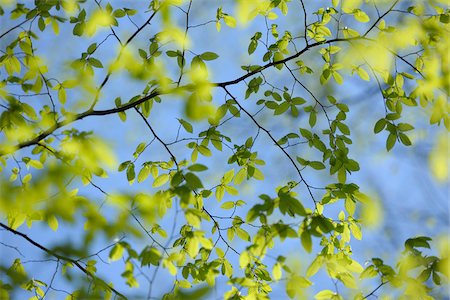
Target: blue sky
<point x="410" y="196"/>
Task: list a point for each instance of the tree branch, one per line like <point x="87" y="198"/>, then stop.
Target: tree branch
<point x="380" y="17"/>
<point x="92" y="112"/>
<point x="289" y="58"/>
<point x="61" y="257"/>
<point x="77" y="117"/>
<point x="376" y="289"/>
<point x="105" y="80"/>
<point x="12" y="28"/>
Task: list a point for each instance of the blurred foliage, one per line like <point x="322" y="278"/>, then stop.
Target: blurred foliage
<point x="53" y="143"/>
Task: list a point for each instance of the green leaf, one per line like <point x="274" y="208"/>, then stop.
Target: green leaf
<point x="312" y="118"/>
<point x="314" y="266"/>
<point x="52" y="222"/>
<point x="209" y="56"/>
<point x="192" y="247"/>
<point x="161" y="180"/>
<point x="197" y="168"/>
<point x="317" y="165"/>
<point x="404" y="127"/>
<point x="193" y="218"/>
<point x="220" y="192"/>
<point x="186" y="125"/>
<point x="281" y="108"/>
<point x="228" y="205"/>
<point x="130" y="173"/>
<point x="252" y="46"/>
<point x="204" y="150"/>
<point x="343" y="128"/>
<point x="192" y="181"/>
<point x="228" y="176"/>
<point x="150" y="255"/>
<point x="62" y="96"/>
<point x="355" y="231"/>
<point x="244" y="259"/>
<point x="242" y="234"/>
<point x="257" y="174"/>
<point x="379" y="125"/>
<point x="361" y="16"/>
<point x="444" y="18"/>
<point x="122" y="115"/>
<point x="123" y="165"/>
<point x="390" y="142"/>
<point x="230" y="21"/>
<point x="41" y="24"/>
<point x="35" y="164"/>
<point x="436" y="276"/>
<point x="95" y="62"/>
<point x="325" y="224"/>
<point x="116" y="252"/>
<point x="240" y="176"/>
<point x="404" y="139"/>
<point x="369" y="272"/>
<point x="278" y="56"/>
<point x="418" y="242"/>
<point x="338" y="78"/>
<point x="363" y="74"/>
<point x="325" y="295"/>
<point x="143" y="173"/>
<point x="276" y="271"/>
<point x="306" y="241"/>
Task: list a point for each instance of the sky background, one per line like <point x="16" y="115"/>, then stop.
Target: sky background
<point x="411" y="201"/>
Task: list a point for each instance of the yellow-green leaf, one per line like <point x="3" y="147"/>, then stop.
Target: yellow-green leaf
<point x="324" y="295"/>
<point x="314" y="266"/>
<point x="229" y="20"/>
<point x="244" y="259"/>
<point x="240" y="176"/>
<point x="161" y="180"/>
<point x="35" y="164"/>
<point x="52" y="222"/>
<point x="276" y="271"/>
<point x="143" y="173"/>
<point x="306" y="241"/>
<point x="361" y="16"/>
<point x="116" y="252"/>
<point x="363" y="74"/>
<point x="227" y="205"/>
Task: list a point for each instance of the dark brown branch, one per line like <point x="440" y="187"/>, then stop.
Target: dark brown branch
<point x="91" y="112"/>
<point x="304" y="21"/>
<point x="285" y="60"/>
<point x="376" y="289"/>
<point x="105" y="80"/>
<point x="61" y="257"/>
<point x="380" y="17"/>
<point x="80" y="116"/>
<point x="12" y="28"/>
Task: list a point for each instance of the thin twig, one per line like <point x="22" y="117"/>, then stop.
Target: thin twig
<point x="62" y="257"/>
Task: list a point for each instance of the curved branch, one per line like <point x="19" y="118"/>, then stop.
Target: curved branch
<point x="92" y="112"/>
<point x="64" y="258"/>
<point x="105" y="80"/>
<point x="12" y="28"/>
<point x="289" y="58"/>
<point x="77" y="117"/>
